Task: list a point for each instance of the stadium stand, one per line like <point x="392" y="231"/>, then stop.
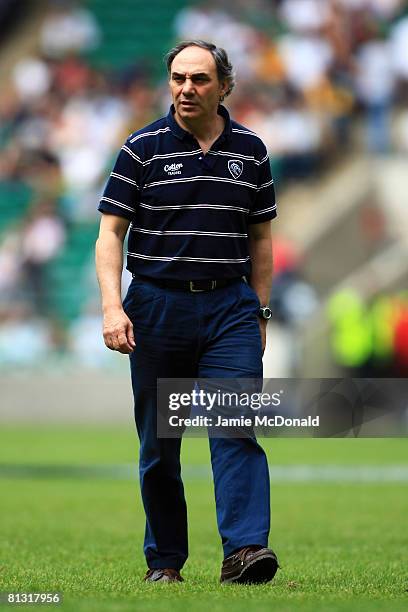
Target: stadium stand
<point x="325" y="89"/>
<point x="134" y="30"/>
<point x="15" y="197"/>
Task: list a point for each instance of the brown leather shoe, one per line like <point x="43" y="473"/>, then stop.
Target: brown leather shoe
<point x="163" y="575"/>
<point x="249" y="565"/>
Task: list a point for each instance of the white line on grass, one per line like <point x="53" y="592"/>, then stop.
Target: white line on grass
<point x="319" y="473"/>
<point x="278" y="473"/>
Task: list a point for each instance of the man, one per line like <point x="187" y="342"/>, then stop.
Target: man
<point x="196" y="190"/>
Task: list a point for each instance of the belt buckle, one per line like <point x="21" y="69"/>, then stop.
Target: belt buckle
<point x="194" y="290"/>
<point x="213" y="286"/>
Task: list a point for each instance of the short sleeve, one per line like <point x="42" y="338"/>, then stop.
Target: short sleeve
<point x="265" y="205"/>
<point x="121" y="194"/>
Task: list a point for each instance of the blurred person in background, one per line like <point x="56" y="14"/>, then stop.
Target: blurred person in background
<point x="375" y="84"/>
<point x="293" y="301"/>
<point x="42" y="237"/>
<point x="369" y="339"/>
<point x="195" y="188"/>
<point x="400" y="337"/>
<point x="68" y="27"/>
<point x="11" y="270"/>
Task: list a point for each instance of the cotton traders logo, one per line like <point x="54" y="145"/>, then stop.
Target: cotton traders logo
<point x="173" y="169"/>
<point x="235" y="166"/>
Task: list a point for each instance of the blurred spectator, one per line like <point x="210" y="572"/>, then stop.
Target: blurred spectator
<point x="68" y="27"/>
<point x="306" y="59"/>
<point x="399" y="49"/>
<point x="208" y="21"/>
<point x="43" y="236"/>
<point x="293" y="300"/>
<point x="83" y="148"/>
<point x="10" y="268"/>
<point x="400" y="337"/>
<point x="305" y="15"/>
<point x="351" y="340"/>
<point x="31" y="78"/>
<point x="375" y="86"/>
<point x="369" y="340"/>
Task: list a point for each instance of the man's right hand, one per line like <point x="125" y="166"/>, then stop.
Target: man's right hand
<point x="118" y="331"/>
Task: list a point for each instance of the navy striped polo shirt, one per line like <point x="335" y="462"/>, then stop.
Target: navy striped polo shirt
<point x="190" y="212"/>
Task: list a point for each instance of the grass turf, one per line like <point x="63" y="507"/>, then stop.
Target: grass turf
<point x="342" y="546"/>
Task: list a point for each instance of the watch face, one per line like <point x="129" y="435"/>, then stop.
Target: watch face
<point x="266" y="312"/>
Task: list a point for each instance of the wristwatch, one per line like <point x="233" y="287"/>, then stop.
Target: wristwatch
<point x="265" y="312"/>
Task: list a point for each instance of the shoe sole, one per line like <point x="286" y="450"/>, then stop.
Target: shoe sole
<point x="259" y="571"/>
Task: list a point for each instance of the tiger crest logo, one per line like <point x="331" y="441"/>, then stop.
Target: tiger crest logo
<point x="235" y="166"/>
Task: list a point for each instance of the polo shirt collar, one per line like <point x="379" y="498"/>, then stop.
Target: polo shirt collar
<point x="182" y="134"/>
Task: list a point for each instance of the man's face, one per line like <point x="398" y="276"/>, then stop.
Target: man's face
<point x="194" y="84"/>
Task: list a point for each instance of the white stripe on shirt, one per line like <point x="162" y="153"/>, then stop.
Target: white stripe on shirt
<point x="116" y="203"/>
<point x="124" y="178"/>
<point x="238" y="156"/>
<point x="198" y="259"/>
<point x="261" y="212"/>
<point x="192" y="179"/>
<point x="268" y="184"/>
<point x="130" y="152"/>
<point x="160" y="131"/>
<point x="198" y="151"/>
<point x="245" y="132"/>
<point x="170" y="155"/>
<point x="188" y="233"/>
<point x="192" y="206"/>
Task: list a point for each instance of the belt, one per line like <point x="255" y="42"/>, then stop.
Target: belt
<point x="194" y="286"/>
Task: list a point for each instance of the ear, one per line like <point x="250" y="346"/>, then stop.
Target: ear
<point x="223" y="90"/>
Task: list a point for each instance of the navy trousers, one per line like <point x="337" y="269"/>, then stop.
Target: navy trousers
<point x="211" y="334"/>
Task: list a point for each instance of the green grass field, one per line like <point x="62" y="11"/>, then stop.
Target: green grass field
<point x="341" y="545"/>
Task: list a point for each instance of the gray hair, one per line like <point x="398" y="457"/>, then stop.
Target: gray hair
<point x="225" y="71"/>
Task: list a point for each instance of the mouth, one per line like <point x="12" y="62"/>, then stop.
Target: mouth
<point x="187" y="104"/>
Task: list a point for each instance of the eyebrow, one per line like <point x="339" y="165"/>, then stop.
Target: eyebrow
<point x="196" y="74"/>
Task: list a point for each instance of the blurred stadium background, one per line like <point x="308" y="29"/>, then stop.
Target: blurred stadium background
<point x="324" y="83"/>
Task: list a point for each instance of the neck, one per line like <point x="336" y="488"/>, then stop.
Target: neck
<point x="204" y="129"/>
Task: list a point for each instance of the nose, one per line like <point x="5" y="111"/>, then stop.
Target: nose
<point x="188" y="87"/>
